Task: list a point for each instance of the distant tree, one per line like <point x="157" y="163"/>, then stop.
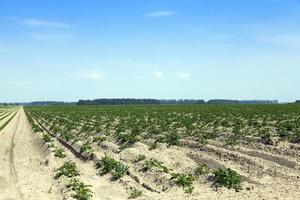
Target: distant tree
<point x="223" y="101"/>
<point x="118" y="102"/>
<point x="138" y="101"/>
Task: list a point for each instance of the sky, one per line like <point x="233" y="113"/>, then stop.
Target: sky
<point x="67" y="50"/>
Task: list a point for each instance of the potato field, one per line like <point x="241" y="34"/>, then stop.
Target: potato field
<point x="175" y="152"/>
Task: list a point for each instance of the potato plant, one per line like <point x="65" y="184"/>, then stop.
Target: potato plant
<point x="202" y="123"/>
<point x="226" y="177"/>
<point x="80" y="190"/>
<point x="69" y="170"/>
<point x="109" y="165"/>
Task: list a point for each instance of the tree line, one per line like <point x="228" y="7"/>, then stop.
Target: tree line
<point x="132" y="101"/>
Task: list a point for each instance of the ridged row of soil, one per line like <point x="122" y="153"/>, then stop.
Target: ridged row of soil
<point x="268" y="172"/>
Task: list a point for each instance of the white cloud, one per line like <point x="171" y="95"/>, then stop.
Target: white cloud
<point x="89" y="74"/>
<point x="31" y="22"/>
<point x="184" y="75"/>
<point x="158" y="75"/>
<point x="49" y="36"/>
<point x="162" y="13"/>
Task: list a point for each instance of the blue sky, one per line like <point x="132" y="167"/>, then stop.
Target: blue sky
<point x="86" y="49"/>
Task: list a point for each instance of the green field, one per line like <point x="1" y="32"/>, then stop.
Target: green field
<point x="158" y="148"/>
<point x="127" y="124"/>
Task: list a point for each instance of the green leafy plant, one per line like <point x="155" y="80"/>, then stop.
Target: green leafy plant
<point x="140" y="158"/>
<point x="59" y="152"/>
<point x="86" y="148"/>
<point x="153" y="163"/>
<point x="135" y="193"/>
<point x="153" y="146"/>
<point x="66" y="135"/>
<point x="69" y="170"/>
<point x="231" y="141"/>
<point x="184" y="180"/>
<point x="109" y="165"/>
<point x="81" y="190"/>
<point x="105" y="165"/>
<point x="119" y="170"/>
<point x="226" y="177"/>
<point x="46" y="138"/>
<point x="295" y="138"/>
<point x="99" y="139"/>
<point x="202" y="170"/>
<point x="173" y="139"/>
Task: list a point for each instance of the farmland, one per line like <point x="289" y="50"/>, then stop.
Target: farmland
<point x="6" y="115"/>
<point x="172" y="152"/>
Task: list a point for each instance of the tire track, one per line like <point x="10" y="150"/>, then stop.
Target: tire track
<point x="13" y="172"/>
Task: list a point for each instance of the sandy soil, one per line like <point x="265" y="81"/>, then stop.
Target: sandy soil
<point x="22" y="176"/>
<point x="266" y="175"/>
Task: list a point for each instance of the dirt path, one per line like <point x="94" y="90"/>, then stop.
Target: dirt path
<point x="22" y="174"/>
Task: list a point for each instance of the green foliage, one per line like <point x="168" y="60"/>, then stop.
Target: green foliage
<point x="135" y="193"/>
<point x="129" y="138"/>
<point x="130" y="124"/>
<point x="106" y="165"/>
<point x="153" y="163"/>
<point x="109" y="165"/>
<point x="67" y="136"/>
<point x="140" y="158"/>
<point x="99" y="139"/>
<point x="119" y="170"/>
<point x="86" y="148"/>
<point x="81" y="190"/>
<point x="46" y="138"/>
<point x="59" y="152"/>
<point x="36" y="128"/>
<point x="295" y="138"/>
<point x="231" y="141"/>
<point x="69" y="170"/>
<point x="226" y="177"/>
<point x="153" y="146"/>
<point x="184" y="180"/>
<point x="202" y="170"/>
<point x="265" y="134"/>
<point x="173" y="139"/>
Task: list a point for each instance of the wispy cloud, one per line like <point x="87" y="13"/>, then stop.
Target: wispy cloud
<point x="49" y="36"/>
<point x="183" y="75"/>
<point x="158" y="75"/>
<point x="38" y="23"/>
<point x="31" y="22"/>
<point x="161" y="13"/>
<point x="89" y="74"/>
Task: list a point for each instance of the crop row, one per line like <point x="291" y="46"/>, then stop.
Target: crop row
<point x="129" y="124"/>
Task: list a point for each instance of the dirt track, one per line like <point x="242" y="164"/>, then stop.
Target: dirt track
<point x="21" y="174"/>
